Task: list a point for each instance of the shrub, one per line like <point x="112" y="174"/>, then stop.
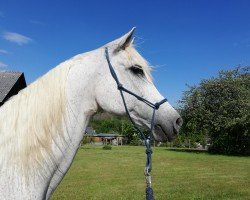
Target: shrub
<point x="107" y="147"/>
<point x="136" y="141"/>
<point x="86" y="140"/>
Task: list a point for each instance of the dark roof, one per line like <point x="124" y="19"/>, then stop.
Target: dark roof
<point x="104" y="135"/>
<point x="107" y="135"/>
<point x="7" y="80"/>
<point x="90" y="131"/>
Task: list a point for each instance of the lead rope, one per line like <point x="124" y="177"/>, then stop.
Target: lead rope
<point x="147" y="140"/>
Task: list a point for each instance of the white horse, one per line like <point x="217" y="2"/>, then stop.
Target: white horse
<point x="41" y="127"/>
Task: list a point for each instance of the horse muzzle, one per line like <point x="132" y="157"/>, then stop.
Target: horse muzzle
<point x="167" y="131"/>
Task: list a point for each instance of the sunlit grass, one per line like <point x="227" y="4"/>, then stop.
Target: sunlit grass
<point x="118" y="174"/>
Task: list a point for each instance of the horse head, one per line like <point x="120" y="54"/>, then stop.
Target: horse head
<point x="134" y="73"/>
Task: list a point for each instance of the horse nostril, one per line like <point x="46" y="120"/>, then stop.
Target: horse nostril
<point x="179" y="122"/>
<point x="177" y="125"/>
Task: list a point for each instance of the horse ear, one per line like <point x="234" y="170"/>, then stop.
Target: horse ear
<point x="125" y="40"/>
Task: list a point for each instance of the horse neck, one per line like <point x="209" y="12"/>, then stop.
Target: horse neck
<point x="81" y="103"/>
<point x="53" y="127"/>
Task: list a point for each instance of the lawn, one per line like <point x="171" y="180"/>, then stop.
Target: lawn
<point x="118" y="174"/>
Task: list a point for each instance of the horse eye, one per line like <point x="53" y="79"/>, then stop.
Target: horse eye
<point x="137" y="70"/>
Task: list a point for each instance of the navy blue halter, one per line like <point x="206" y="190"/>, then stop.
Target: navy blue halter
<point x="147" y="140"/>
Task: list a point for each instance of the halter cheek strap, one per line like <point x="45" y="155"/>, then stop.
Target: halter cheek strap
<point x="147" y="140"/>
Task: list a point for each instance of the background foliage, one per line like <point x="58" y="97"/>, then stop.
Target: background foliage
<point x="219" y="109"/>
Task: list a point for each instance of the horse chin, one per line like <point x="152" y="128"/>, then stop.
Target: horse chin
<point x="163" y="135"/>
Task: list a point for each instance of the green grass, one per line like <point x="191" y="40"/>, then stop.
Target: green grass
<point x="118" y="174"/>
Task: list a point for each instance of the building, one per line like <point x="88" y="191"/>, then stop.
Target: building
<point x="104" y="138"/>
<point x="10" y="84"/>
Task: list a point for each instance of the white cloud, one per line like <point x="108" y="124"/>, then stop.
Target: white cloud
<point x="3" y="51"/>
<point x="3" y="65"/>
<point x="245" y="42"/>
<point x="35" y="22"/>
<point x="16" y="38"/>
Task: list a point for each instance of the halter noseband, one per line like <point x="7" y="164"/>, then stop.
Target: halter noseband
<point x="147" y="140"/>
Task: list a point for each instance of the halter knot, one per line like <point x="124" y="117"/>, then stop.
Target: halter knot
<point x="119" y="86"/>
<point x="149" y="151"/>
<point x="157" y="106"/>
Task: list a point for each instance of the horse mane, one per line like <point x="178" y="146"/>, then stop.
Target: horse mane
<point x="30" y="120"/>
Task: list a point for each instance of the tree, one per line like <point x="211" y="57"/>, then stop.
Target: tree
<point x="220" y="108"/>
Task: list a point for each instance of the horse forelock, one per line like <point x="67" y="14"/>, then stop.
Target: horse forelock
<point x="31" y="120"/>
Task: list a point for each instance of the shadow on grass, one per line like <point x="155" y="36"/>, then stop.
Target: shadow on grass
<point x="203" y="151"/>
<point x="187" y="150"/>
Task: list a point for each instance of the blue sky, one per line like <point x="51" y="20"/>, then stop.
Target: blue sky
<point x="186" y="40"/>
